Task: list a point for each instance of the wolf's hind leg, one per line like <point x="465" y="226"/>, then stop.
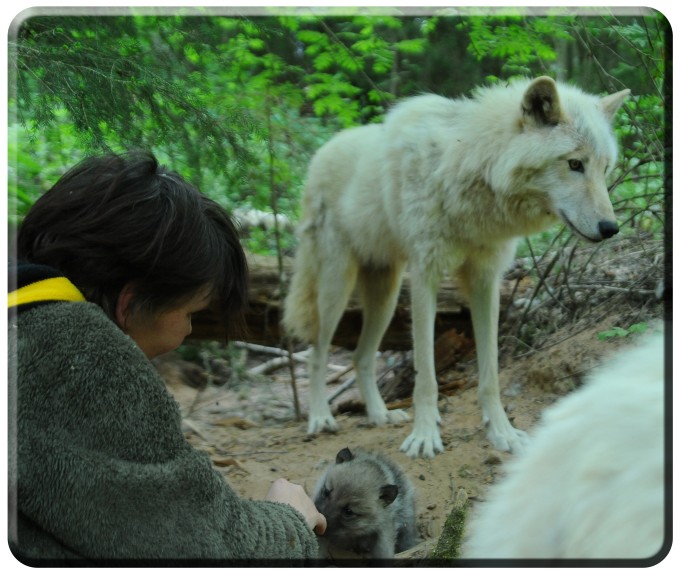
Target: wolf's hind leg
<point x="483" y="287"/>
<point x="336" y="281"/>
<point x="378" y="291"/>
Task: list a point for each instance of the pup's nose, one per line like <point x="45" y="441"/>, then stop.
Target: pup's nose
<point x="608" y="229"/>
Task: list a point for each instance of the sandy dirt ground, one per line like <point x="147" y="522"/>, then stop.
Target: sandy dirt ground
<point x="249" y="428"/>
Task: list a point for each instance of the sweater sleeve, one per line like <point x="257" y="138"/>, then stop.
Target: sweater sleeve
<point x="102" y="464"/>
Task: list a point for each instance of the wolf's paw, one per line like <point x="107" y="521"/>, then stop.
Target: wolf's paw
<point x="381" y="415"/>
<point x="424" y="441"/>
<point x="388" y="417"/>
<point x="319" y="423"/>
<point x="397" y="417"/>
<point x="508" y="438"/>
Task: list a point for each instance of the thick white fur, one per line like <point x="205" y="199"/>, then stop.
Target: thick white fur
<point x="591" y="484"/>
<point x="442" y="185"/>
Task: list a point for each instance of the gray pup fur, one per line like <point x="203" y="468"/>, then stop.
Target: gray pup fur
<point x="369" y="505"/>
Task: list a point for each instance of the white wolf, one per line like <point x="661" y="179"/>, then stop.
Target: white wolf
<point x="442" y="185"/>
<point x="591" y="485"/>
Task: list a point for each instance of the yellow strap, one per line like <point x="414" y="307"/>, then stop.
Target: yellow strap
<point x="54" y="289"/>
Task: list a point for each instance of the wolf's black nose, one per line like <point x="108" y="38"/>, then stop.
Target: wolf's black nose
<point x="608" y="229"/>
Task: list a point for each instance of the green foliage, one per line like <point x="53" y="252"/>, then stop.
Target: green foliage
<point x="639" y="191"/>
<point x="239" y="104"/>
<point x="104" y="73"/>
<point x="519" y="41"/>
<point x="618" y="332"/>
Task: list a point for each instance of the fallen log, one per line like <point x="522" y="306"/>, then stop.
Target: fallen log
<point x="264" y="313"/>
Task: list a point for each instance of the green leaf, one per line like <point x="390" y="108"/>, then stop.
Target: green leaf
<point x="412" y="46"/>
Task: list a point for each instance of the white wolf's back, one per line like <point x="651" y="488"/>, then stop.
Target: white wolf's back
<point x="325" y="231"/>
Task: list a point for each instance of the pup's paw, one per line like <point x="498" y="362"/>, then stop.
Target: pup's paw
<point x="321" y="422"/>
<point x="508" y="438"/>
<point x="424" y="441"/>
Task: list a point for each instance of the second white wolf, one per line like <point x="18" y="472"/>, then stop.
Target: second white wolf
<point x="443" y="185"/>
<point x="592" y="484"/>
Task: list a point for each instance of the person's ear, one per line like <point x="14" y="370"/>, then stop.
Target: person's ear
<point x="123" y="304"/>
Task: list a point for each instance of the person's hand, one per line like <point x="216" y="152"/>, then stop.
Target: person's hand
<point x="283" y="491"/>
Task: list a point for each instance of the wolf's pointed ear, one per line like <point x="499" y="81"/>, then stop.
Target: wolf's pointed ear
<point x="611" y="103"/>
<point x="344" y="455"/>
<point x="388" y="493"/>
<point x="541" y="103"/>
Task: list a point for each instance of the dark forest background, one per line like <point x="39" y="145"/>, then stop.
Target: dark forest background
<point x="237" y="102"/>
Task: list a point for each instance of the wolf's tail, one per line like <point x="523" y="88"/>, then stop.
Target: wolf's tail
<point x="300" y="312"/>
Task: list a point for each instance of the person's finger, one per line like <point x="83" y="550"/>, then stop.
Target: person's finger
<point x="321" y="524"/>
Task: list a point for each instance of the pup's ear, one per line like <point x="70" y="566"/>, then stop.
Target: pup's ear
<point x="541" y="103"/>
<point x="344" y="455"/>
<point x="611" y="103"/>
<point x="388" y="493"/>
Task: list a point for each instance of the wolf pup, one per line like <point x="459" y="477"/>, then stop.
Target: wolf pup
<point x="443" y="185"/>
<point x="369" y="505"/>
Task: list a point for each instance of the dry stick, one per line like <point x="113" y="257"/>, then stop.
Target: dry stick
<point x="588" y="324"/>
<point x="596" y="286"/>
<point x="279" y="255"/>
<point x="342" y="389"/>
<point x="192" y="426"/>
<point x="194" y="402"/>
<point x="270" y="365"/>
<point x="233" y="453"/>
<point x="347" y="385"/>
<point x="567" y="272"/>
<point x="300" y="356"/>
<point x="511" y="300"/>
<point x="541" y="282"/>
<point x="593" y="252"/>
<point x="291" y="368"/>
<point x="339" y="373"/>
<point x="420" y="551"/>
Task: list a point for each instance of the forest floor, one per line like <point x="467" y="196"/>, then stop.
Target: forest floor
<point x="246" y="420"/>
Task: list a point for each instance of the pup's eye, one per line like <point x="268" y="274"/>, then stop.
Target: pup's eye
<point x="576" y="165"/>
<point x="326" y="492"/>
<point x="347" y="511"/>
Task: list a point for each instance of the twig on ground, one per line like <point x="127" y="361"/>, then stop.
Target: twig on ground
<point x="346" y="386"/>
<point x="270" y="365"/>
<point x="192" y="426"/>
<point x="339" y="374"/>
<point x="282" y="360"/>
<point x="299" y="356"/>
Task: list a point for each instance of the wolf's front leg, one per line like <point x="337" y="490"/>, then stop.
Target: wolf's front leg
<point x="320" y="415"/>
<point x="484" y="303"/>
<point x="424" y="440"/>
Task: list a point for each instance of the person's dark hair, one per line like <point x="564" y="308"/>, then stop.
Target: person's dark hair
<point x="120" y="219"/>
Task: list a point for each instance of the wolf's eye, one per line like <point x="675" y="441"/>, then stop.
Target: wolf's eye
<point x="576" y="165"/>
<point x="347" y="511"/>
<point x="326" y="492"/>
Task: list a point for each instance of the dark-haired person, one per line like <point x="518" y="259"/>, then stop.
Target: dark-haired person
<point x="111" y="264"/>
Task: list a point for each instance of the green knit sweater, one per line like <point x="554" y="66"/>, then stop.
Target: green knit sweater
<point x="99" y="468"/>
